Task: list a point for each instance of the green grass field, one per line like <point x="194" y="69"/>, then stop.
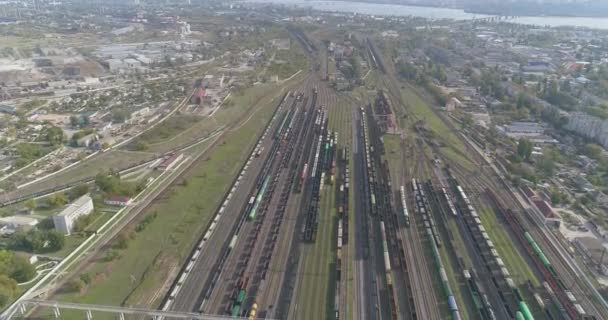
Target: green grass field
<point x="421" y="110"/>
<point x="340" y="121"/>
<point x="515" y="263"/>
<point x="452" y="155"/>
<point x="170" y="128"/>
<point x="392" y="153"/>
<point x="319" y="278"/>
<point x="518" y="267"/>
<point x="288" y="62"/>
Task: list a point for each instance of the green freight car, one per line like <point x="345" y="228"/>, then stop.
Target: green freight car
<point x="523" y="308"/>
<point x="539" y="252"/>
<point x="236" y="311"/>
<point x="258" y="199"/>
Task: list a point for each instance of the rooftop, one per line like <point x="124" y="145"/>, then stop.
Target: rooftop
<point x="72" y="207"/>
<point x="18" y="220"/>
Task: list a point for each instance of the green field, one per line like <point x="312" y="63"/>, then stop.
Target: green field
<point x="515" y="263"/>
<point x="452" y="155"/>
<point x="421" y="110"/>
<point x="392" y="154"/>
<point x="316" y="296"/>
<point x="340" y="121"/>
<point x="288" y="62"/>
<point x="170" y="128"/>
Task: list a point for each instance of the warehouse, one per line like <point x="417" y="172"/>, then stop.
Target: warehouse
<point x="17" y="223"/>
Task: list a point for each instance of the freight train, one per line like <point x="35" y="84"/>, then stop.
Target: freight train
<point x="559" y="290"/>
<point x="433" y="236"/>
<point x="406" y="214"/>
<point x="523" y="310"/>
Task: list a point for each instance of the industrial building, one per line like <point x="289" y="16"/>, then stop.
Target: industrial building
<point x="117" y="201"/>
<point x="524" y="129"/>
<point x="16" y="223"/>
<point x="64" y="221"/>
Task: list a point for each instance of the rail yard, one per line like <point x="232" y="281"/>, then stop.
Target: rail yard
<point x="347" y="207"/>
<point x="321" y="222"/>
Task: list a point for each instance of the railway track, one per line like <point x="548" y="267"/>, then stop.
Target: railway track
<point x="374" y="56"/>
<point x="268" y="297"/>
<point x="506" y="195"/>
<point x="252" y="258"/>
<point x="318" y="186"/>
<point x="213" y="247"/>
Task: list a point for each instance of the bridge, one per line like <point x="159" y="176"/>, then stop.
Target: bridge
<point x="22" y="309"/>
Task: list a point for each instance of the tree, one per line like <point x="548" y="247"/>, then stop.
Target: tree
<point x="553" y="116"/>
<point x="141" y="146"/>
<point x="524" y="148"/>
<point x="556" y="196"/>
<point x="75" y="285"/>
<point x="57" y="199"/>
<point x="356" y="70"/>
<point x="593" y="151"/>
<point x="23" y="270"/>
<point x="56" y="240"/>
<point x="85" y="121"/>
<point x="74" y="121"/>
<point x="120" y="115"/>
<point x="16" y="267"/>
<point x="37" y="241"/>
<point x="46" y="224"/>
<point x="407" y="70"/>
<point x="78" y="191"/>
<point x="122" y="241"/>
<point x="54" y="136"/>
<point x="467" y="120"/>
<point x="8" y="290"/>
<point x="546" y="166"/>
<point x="86" y="278"/>
<point x="523" y="101"/>
<point x="31" y="204"/>
<point x="111" y="255"/>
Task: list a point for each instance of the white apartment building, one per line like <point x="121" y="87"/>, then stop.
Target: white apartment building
<point x="64" y="221"/>
<point x="589" y="126"/>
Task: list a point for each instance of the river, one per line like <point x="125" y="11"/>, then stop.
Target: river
<point x="434" y="13"/>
